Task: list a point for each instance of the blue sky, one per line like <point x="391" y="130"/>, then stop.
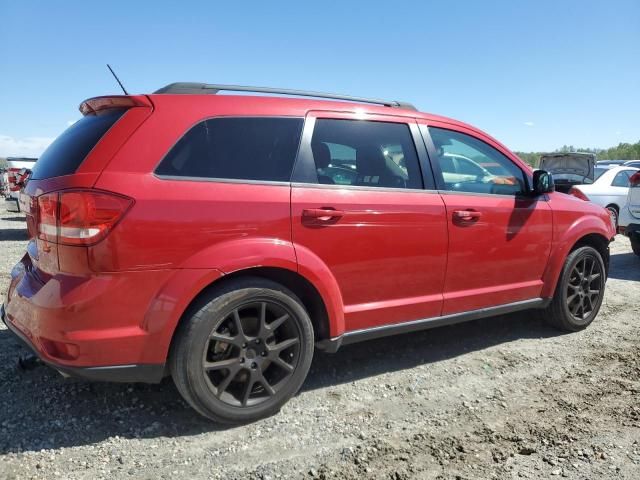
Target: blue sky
<point x="535" y="74"/>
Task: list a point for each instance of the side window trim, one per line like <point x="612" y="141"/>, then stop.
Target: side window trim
<point x="428" y="178"/>
<point x="437" y="172"/>
<point x="304" y="169"/>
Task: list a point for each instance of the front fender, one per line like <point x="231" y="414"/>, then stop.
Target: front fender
<point x="566" y="235"/>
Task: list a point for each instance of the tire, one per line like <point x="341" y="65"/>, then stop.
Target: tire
<point x="615" y="213"/>
<point x="635" y="243"/>
<point x="250" y="335"/>
<point x="575" y="311"/>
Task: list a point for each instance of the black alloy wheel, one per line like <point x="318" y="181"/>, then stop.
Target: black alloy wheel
<point x="252" y="353"/>
<point x="242" y="351"/>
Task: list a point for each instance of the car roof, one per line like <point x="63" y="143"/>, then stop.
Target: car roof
<point x="612" y="172"/>
<point x="288" y="106"/>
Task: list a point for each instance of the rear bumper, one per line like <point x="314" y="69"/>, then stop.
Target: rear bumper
<point x="151" y="373"/>
<point x="91" y="326"/>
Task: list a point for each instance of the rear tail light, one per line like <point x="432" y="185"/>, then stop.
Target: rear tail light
<point x="634" y="180"/>
<point x="578" y="194"/>
<point x="79" y="217"/>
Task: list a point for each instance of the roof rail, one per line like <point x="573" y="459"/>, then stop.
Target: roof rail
<point x="204" y="88"/>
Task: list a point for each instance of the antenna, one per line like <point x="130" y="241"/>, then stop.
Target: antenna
<point x="117" y="79"/>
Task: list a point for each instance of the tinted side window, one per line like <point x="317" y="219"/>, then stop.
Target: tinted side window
<point x="67" y="152"/>
<point x="236" y="148"/>
<point x="363" y="153"/>
<point x="467" y="164"/>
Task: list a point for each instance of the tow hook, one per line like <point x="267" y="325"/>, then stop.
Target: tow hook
<point x="29" y="362"/>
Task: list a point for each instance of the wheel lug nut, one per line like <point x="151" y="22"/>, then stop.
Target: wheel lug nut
<point x="242" y="360"/>
<point x="257" y="341"/>
<point x="253" y="365"/>
<point x="264" y="354"/>
<point x="244" y="345"/>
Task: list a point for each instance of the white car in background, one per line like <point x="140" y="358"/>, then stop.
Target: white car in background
<point x="629" y="223"/>
<point x="609" y="190"/>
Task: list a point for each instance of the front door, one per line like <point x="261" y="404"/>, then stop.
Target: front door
<point x="362" y="210"/>
<point x="499" y="237"/>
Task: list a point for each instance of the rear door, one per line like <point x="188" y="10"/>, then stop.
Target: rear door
<point x="359" y="205"/>
<point x="499" y="239"/>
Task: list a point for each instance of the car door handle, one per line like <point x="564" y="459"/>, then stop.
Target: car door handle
<point x="466" y="215"/>
<point x="322" y="214"/>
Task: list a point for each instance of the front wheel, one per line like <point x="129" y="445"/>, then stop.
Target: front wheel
<point x="635" y="243"/>
<point x="613" y="212"/>
<point x="244" y="353"/>
<point x="579" y="292"/>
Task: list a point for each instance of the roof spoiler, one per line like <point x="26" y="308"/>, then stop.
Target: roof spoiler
<point x="191" y="88"/>
<point x="95" y="104"/>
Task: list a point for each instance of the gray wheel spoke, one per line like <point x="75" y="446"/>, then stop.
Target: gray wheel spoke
<point x="574" y="309"/>
<point x="587" y="299"/>
<point x="221" y="337"/>
<point x="251" y="381"/>
<point x="593" y="277"/>
<point x="224" y="384"/>
<point x="263" y="319"/>
<point x="283" y="345"/>
<point x="238" y="323"/>
<point x="278" y="321"/>
<point x="282" y="364"/>
<point x="267" y="386"/>
<point x="220" y="364"/>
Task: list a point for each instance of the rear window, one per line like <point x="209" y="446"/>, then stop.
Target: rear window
<point x="236" y="148"/>
<point x="67" y="152"/>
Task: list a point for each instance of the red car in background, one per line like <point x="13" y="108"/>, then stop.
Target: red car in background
<point x="14" y="178"/>
<point x="219" y="239"/>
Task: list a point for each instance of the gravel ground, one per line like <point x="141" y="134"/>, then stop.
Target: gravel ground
<point x="505" y="397"/>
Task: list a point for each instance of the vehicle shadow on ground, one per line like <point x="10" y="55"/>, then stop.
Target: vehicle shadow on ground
<point x="400" y="352"/>
<point x="13" y="234"/>
<point x="625" y="266"/>
<point x="43" y="410"/>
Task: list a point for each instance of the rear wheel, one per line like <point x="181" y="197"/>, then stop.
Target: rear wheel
<point x="244" y="352"/>
<point x="579" y="292"/>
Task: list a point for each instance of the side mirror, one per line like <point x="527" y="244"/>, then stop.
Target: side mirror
<point x="543" y="182"/>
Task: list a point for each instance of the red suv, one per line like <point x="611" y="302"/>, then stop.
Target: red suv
<point x="219" y="239"/>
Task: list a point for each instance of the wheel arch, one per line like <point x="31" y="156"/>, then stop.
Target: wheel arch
<point x="593" y="239"/>
<point x="306" y="291"/>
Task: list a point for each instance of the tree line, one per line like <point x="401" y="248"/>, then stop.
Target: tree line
<point x="623" y="151"/>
